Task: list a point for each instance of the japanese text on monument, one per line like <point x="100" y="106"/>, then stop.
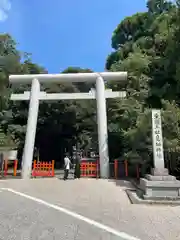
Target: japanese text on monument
<point x="157" y="136"/>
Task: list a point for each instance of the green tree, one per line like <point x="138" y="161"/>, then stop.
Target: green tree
<point x="143" y="46"/>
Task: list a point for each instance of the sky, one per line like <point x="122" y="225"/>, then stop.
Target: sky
<point x="63" y="33"/>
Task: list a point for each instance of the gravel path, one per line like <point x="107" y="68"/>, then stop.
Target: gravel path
<point x="101" y="200"/>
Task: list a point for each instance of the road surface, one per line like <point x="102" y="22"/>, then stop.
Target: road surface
<point x="80" y="209"/>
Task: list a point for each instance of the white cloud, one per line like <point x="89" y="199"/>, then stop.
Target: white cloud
<point x="5" y="6"/>
<point x="3" y="15"/>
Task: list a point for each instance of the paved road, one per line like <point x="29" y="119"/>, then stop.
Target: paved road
<point x="100" y="200"/>
<point x="25" y="219"/>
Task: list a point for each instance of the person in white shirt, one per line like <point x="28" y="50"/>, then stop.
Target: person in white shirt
<point x="67" y="165"/>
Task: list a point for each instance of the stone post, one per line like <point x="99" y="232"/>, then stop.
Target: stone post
<point x="157" y="139"/>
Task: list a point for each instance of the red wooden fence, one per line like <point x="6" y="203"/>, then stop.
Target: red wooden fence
<point x="43" y="169"/>
<point x="6" y="163"/>
<point x="116" y="166"/>
<point x="89" y="169"/>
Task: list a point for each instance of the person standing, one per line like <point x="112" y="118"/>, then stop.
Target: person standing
<point x="77" y="171"/>
<point x="67" y="165"/>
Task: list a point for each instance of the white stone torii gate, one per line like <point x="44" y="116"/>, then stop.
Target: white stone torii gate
<point x="100" y="94"/>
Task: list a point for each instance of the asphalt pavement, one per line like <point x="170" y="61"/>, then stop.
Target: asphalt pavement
<point x="86" y="209"/>
<point x="24" y="219"/>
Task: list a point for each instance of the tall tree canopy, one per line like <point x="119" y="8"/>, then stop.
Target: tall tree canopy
<point x="147" y="46"/>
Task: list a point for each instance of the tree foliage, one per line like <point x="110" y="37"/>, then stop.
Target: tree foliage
<point x="147" y="46"/>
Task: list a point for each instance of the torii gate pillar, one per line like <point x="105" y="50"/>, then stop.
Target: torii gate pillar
<point x="31" y="129"/>
<point x="102" y="127"/>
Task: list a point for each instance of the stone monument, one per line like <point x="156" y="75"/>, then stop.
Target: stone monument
<point x="159" y="185"/>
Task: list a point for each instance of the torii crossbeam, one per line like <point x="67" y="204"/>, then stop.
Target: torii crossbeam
<point x="100" y="94"/>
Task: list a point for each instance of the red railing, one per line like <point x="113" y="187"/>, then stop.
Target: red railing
<point x="89" y="169"/>
<point x="6" y="163"/>
<point x="43" y="169"/>
<point x="117" y="165"/>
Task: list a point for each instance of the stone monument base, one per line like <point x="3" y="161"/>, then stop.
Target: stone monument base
<point x="159" y="185"/>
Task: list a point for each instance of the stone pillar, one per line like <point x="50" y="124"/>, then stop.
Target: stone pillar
<point x="31" y="130"/>
<point x="159" y="185"/>
<point x="102" y="127"/>
<point x="157" y="139"/>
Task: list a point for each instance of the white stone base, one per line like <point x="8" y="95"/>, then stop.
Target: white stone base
<point x="163" y="189"/>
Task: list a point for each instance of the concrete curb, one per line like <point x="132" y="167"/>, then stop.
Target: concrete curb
<point x="135" y="199"/>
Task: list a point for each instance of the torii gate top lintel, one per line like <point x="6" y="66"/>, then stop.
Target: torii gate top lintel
<point x="68" y="77"/>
